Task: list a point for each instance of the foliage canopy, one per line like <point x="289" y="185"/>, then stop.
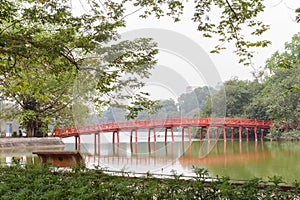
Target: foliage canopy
<point x="45" y="44"/>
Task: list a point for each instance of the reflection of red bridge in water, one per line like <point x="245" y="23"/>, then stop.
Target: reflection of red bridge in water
<point x="210" y="125"/>
<point x="221" y="155"/>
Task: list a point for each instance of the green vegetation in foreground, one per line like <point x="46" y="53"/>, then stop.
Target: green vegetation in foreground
<point x="39" y="182"/>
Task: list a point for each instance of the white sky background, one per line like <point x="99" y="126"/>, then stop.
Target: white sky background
<point x="278" y="13"/>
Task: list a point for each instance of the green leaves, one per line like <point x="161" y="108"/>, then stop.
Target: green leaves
<point x="44" y="47"/>
<point x="235" y="19"/>
<point x="40" y="182"/>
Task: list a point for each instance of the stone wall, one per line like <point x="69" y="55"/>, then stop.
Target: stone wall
<point x="30" y="142"/>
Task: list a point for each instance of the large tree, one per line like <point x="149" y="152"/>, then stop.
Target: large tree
<point x="44" y="48"/>
<point x="45" y="44"/>
<point x="281" y="95"/>
<point x="275" y="96"/>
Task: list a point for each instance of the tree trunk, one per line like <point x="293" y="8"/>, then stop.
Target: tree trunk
<point x="34" y="128"/>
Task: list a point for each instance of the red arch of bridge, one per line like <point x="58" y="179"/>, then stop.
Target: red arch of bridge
<point x="134" y="125"/>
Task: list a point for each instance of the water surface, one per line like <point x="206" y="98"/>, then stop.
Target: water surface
<point x="238" y="160"/>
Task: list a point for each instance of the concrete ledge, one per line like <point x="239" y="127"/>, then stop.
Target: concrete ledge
<point x="7" y="143"/>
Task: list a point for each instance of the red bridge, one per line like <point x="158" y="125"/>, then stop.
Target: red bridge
<point x="211" y="125"/>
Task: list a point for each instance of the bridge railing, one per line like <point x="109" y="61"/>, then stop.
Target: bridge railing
<point x="87" y="129"/>
<point x="65" y="132"/>
<point x="160" y="123"/>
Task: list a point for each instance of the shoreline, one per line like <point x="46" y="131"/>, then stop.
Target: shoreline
<point x="13" y="143"/>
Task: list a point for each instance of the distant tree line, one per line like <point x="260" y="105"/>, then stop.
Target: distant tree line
<point x="187" y="105"/>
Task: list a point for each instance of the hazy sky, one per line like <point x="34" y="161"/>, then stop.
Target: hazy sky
<point x="184" y="59"/>
<point x="279" y="14"/>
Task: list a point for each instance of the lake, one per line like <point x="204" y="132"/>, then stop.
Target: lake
<point x="238" y="160"/>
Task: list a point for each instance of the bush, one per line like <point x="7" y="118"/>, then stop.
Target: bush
<point x="293" y="135"/>
<point x="14" y="134"/>
<point x="41" y="182"/>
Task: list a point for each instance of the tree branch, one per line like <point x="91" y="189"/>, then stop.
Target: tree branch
<point x="232" y="10"/>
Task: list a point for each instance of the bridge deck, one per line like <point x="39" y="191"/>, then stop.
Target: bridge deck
<point x="161" y="123"/>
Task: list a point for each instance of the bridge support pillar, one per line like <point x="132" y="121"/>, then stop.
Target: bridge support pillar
<point x="217" y="134"/>
<point x="118" y="137"/>
<point x="262" y="134"/>
<point x="232" y="133"/>
<point x="172" y="133"/>
<point x="247" y="134"/>
<point x="189" y="134"/>
<point x="207" y="133"/>
<point x="131" y="137"/>
<point x="95" y="139"/>
<point x="95" y="143"/>
<point x="201" y="133"/>
<point x="182" y="135"/>
<point x="113" y="138"/>
<point x="77" y="143"/>
<point x="136" y="136"/>
<point x="224" y="133"/>
<point x="149" y="134"/>
<point x="166" y="134"/>
<point x="255" y="133"/>
<point x="149" y="131"/>
<point x="98" y="143"/>
<point x="240" y="133"/>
